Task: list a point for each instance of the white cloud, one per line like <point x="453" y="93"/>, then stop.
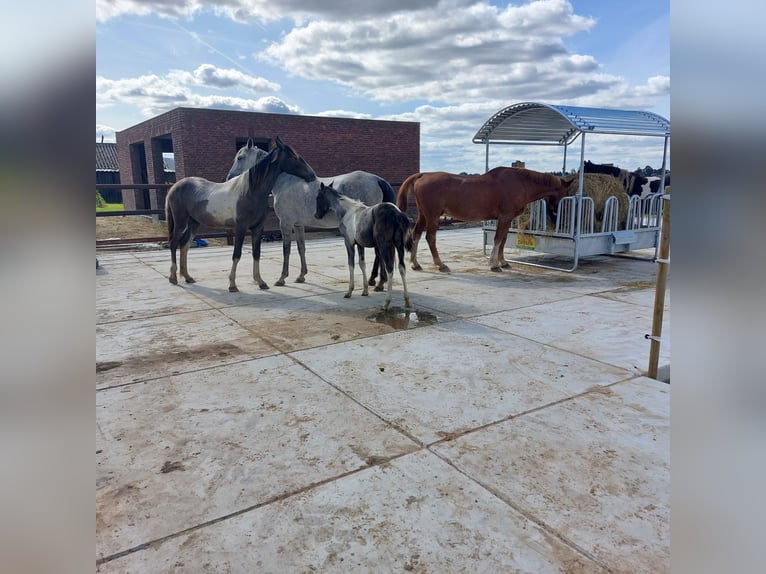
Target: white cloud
<point x="155" y="94"/>
<point x="210" y="76"/>
<point x="344" y="114"/>
<point x="107" y="132"/>
<point x="463" y="59"/>
<point x="262" y="10"/>
<point x="447" y="53"/>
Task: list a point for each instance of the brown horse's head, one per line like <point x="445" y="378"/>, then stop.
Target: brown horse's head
<point x="566" y="186"/>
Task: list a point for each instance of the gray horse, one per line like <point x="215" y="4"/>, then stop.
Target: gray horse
<point x="240" y="203"/>
<point x="295" y="205"/>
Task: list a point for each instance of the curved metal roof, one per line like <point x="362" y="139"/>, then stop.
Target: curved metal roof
<point x="531" y="122"/>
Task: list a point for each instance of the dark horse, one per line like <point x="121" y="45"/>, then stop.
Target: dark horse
<point x="499" y="194"/>
<point x="240" y="203"/>
<point x="381" y="226"/>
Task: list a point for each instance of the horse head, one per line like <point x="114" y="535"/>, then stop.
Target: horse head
<point x="247" y="156"/>
<point x="323" y="203"/>
<point x="290" y="161"/>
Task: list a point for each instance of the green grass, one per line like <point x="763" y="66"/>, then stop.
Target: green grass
<point x="110" y="207"/>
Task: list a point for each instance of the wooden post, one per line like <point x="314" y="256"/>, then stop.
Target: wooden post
<point x="659" y="293"/>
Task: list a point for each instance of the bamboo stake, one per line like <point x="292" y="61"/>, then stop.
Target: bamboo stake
<point x="659" y="293"/>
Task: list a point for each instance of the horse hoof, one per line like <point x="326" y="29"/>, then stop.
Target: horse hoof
<point x="380" y="287"/>
<point x="263" y="285"/>
<point x="173" y="280"/>
<point x="300" y="280"/>
<point x="417" y="267"/>
<point x="365" y="294"/>
<point x="496" y="269"/>
<point x="444" y="269"/>
<point x="280" y="283"/>
<point x="347" y="296"/>
<point x="371" y="282"/>
<point x="233" y="289"/>
<point x="190" y="280"/>
<point x="505" y="265"/>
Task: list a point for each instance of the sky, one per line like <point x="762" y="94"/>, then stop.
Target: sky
<point x="448" y="64"/>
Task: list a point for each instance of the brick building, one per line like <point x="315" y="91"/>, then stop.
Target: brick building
<point x="203" y="143"/>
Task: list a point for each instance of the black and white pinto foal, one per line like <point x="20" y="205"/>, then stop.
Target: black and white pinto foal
<point x="382" y="226"/>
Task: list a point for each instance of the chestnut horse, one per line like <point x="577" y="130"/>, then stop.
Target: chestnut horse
<point x="501" y="194"/>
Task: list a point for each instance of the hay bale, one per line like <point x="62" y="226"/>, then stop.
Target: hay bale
<point x="599" y="187"/>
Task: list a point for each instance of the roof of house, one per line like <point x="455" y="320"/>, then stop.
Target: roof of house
<point x="106" y="157"/>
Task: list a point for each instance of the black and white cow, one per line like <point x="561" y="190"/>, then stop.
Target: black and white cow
<point x="633" y="182"/>
<point x="653" y="185"/>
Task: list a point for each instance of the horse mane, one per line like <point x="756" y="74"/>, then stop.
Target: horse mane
<point x="350" y="202"/>
<point x="541" y="178"/>
<point x="257" y="173"/>
<point x="530" y="175"/>
<point x="240" y="184"/>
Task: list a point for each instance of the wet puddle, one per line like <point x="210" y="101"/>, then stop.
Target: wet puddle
<point x="400" y="318"/>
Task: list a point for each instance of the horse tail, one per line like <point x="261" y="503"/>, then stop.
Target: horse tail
<point x="405" y="225"/>
<point x="404" y="192"/>
<point x="388" y="191"/>
<point x="408" y="239"/>
<point x="169" y="214"/>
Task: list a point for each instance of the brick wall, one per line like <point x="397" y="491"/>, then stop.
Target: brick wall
<point x="204" y="143"/>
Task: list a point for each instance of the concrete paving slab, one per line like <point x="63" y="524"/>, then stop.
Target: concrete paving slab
<point x="469" y="295"/>
<point x="134" y="291"/>
<point x="192" y="448"/>
<point x="598" y="327"/>
<point x="293" y="430"/>
<point x="595" y="470"/>
<point x="412" y="514"/>
<point x="145" y="349"/>
<point x="306" y="322"/>
<point x="425" y="381"/>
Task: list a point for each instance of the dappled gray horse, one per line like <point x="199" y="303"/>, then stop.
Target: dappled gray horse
<point x="295" y="204"/>
<point x="381" y="226"/>
<point x="240" y="203"/>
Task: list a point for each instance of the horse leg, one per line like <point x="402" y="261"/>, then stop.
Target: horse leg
<point x="417" y="231"/>
<point x="402" y="269"/>
<point x="431" y="239"/>
<point x="350" y="254"/>
<point x="191" y="230"/>
<point x="496" y="257"/>
<point x="365" y="292"/>
<point x="374" y="273"/>
<point x="257" y="234"/>
<point x="175" y="239"/>
<point x="287" y="237"/>
<point x="239" y="239"/>
<point x="378" y="266"/>
<point x="387" y="256"/>
<point x="501" y="249"/>
<point x="300" y="241"/>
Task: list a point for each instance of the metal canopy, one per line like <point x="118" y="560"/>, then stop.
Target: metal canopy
<point x="544" y="124"/>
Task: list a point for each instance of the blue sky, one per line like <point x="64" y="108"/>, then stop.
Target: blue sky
<point x="448" y="64"/>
